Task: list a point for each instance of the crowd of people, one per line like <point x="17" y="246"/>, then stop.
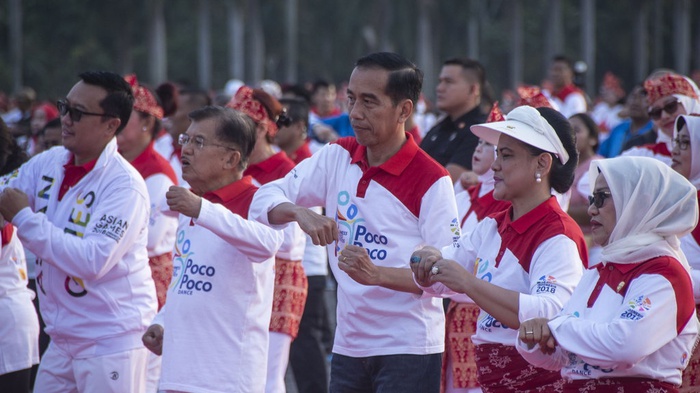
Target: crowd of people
<point x="170" y="239"/>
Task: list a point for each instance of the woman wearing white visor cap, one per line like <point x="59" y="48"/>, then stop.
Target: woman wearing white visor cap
<point x="521" y="263"/>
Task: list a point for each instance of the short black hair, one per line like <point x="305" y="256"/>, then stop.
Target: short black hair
<point x="55" y="123"/>
<point x="561" y="176"/>
<point x="120" y="99"/>
<point x="297" y="109"/>
<point x="231" y="126"/>
<point x="593" y="130"/>
<point x="565" y="60"/>
<point x="195" y="97"/>
<point x="405" y="78"/>
<point x="467" y="64"/>
<point x="319" y="84"/>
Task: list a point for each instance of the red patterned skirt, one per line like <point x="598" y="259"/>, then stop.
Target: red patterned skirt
<point x="691" y="374"/>
<point x="291" y="287"/>
<point x="619" y="385"/>
<point x="162" y="273"/>
<point x="460" y="326"/>
<point x="502" y="369"/>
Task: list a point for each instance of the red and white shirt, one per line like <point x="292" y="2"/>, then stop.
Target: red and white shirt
<point x="625" y="320"/>
<point x="219" y="303"/>
<point x="391" y="210"/>
<point x="661" y="150"/>
<point x="541" y="255"/>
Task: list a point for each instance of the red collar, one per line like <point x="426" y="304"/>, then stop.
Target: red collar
<point x="229" y="192"/>
<point x="394" y="165"/>
<point x="73" y="173"/>
<point x="522" y="224"/>
<point x="564" y="92"/>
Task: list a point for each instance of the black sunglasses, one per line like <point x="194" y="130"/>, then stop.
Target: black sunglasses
<point x="598" y="198"/>
<point x="669" y="108"/>
<point x="75" y="113"/>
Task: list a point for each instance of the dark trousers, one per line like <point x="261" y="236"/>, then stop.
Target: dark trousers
<point x="16" y="382"/>
<point x="386" y="374"/>
<point x="307" y="354"/>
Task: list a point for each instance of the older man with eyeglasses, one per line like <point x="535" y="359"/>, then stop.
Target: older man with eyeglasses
<point x="220" y="298"/>
<point x="83" y="211"/>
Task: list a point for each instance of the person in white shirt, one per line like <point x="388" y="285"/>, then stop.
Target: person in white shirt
<point x="630" y="325"/>
<point x="82" y="209"/>
<point x="213" y="330"/>
<point x="522" y="262"/>
<point x="686" y="161"/>
<point x="383" y="197"/>
<point x="19" y="344"/>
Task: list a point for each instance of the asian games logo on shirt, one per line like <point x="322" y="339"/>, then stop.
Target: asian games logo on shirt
<point x="351" y="230"/>
<point x="638" y="306"/>
<point x="546" y="284"/>
<point x="189" y="277"/>
<point x="456" y="232"/>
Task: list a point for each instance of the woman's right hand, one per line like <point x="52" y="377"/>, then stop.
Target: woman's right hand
<point x="536" y="331"/>
<point x="422" y="261"/>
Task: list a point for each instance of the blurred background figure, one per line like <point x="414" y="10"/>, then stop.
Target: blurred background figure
<point x="19" y="331"/>
<point x="606" y="113"/>
<point x="635" y="129"/>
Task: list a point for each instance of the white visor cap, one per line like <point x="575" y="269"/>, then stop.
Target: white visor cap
<point x="525" y="124"/>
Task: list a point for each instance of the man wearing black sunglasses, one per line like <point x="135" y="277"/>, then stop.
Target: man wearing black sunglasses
<point x="94" y="284"/>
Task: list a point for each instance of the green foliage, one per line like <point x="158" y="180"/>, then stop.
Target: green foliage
<point x="61" y="39"/>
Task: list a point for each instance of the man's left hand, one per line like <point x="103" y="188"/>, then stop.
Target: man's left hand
<point x="355" y="261"/>
<point x="12" y="201"/>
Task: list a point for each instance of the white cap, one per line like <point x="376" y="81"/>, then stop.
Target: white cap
<point x="525" y="124"/>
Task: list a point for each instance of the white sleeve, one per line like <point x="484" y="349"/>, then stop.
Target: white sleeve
<point x="555" y="270"/>
<point x="305" y="185"/>
<point x="576" y="103"/>
<point x="555" y="361"/>
<point x="615" y="343"/>
<point x="438" y="222"/>
<point x="89" y="255"/>
<point x="257" y="241"/>
<point x="159" y="223"/>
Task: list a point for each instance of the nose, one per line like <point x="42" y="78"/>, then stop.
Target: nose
<point x="354" y="112"/>
<point x="592" y="210"/>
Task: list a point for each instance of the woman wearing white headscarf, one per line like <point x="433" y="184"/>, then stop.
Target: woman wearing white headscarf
<point x="686" y="161"/>
<point x="630" y="325"/>
<point x="519" y="263"/>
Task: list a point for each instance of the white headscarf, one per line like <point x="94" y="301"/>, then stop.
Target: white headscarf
<point x="654" y="206"/>
<point x="693" y="125"/>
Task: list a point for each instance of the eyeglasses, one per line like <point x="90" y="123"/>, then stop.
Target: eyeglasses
<point x="598" y="198"/>
<point x="198" y="141"/>
<point x="669" y="108"/>
<point x="75" y="113"/>
<point x="682" y="144"/>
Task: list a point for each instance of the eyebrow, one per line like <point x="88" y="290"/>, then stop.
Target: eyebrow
<point x="364" y="95"/>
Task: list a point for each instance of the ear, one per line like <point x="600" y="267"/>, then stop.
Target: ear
<point x="544" y="164"/>
<point x="406" y="109"/>
<point x="233" y="158"/>
<point x="112" y="125"/>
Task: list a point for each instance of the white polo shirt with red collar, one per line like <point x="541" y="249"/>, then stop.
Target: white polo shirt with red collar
<point x="541" y="255"/>
<point x="390" y="210"/>
<point x="625" y="320"/>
